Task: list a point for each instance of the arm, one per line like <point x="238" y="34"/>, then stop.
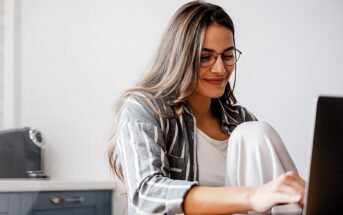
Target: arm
<point x="142" y="153"/>
<point x="151" y="190"/>
<point x="288" y="188"/>
<point x="217" y="200"/>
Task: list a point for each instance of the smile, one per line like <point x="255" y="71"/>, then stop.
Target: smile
<point x="214" y="81"/>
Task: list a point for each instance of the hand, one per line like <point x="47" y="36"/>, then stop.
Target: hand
<point x="288" y="188"/>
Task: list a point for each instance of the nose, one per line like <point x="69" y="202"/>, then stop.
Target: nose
<point x="219" y="66"/>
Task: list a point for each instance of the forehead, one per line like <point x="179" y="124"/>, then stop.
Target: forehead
<point x="218" y="37"/>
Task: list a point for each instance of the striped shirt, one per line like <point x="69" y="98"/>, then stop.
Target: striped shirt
<point x="158" y="155"/>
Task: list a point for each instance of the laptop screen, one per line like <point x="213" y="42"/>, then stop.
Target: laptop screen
<point x="325" y="186"/>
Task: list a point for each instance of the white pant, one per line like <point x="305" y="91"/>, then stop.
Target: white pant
<point x="256" y="155"/>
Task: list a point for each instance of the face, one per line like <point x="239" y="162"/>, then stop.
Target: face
<point x="213" y="79"/>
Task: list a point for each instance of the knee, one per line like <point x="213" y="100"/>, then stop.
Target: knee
<point x="254" y="128"/>
<point x="254" y="132"/>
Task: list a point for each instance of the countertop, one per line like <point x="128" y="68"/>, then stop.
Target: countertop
<point x="36" y="185"/>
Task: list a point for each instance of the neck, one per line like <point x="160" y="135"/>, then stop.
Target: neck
<point x="201" y="106"/>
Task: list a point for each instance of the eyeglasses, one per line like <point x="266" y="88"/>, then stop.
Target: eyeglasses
<point x="209" y="57"/>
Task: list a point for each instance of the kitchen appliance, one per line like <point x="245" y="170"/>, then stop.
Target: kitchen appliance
<point x="21" y="153"/>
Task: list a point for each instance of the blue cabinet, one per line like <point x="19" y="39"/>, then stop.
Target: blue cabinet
<point x="56" y="203"/>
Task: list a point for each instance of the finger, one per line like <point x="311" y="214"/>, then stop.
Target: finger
<point x="290" y="189"/>
<point x="296" y="177"/>
<point x="293" y="180"/>
<point x="299" y="188"/>
<point x="286" y="198"/>
<point x="302" y="201"/>
<point x="289" y="186"/>
<point x="301" y="181"/>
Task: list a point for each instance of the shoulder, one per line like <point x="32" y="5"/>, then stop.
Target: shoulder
<point x="237" y="113"/>
<point x="244" y="113"/>
<point x="142" y="107"/>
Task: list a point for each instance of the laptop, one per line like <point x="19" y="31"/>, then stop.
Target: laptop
<point x="324" y="194"/>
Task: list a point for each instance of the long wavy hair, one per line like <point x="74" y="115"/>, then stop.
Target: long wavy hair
<point x="173" y="73"/>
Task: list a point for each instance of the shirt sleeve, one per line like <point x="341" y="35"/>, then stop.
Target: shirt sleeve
<point x="142" y="152"/>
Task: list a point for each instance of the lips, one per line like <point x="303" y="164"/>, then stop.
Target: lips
<point x="214" y="81"/>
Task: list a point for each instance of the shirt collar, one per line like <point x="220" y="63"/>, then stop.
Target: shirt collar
<point x="225" y="112"/>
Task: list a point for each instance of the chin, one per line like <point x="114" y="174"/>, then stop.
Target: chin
<point x="216" y="95"/>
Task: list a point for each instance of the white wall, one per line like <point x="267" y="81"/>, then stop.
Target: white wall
<point x="292" y="52"/>
<point x="68" y="82"/>
<point x="11" y="64"/>
<point x="78" y="55"/>
<point x="1" y="62"/>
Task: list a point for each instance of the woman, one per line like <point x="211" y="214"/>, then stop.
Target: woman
<point x="180" y="136"/>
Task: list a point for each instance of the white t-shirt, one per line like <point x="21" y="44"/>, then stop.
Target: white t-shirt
<point x="211" y="160"/>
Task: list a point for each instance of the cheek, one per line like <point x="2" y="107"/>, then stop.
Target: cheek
<point x="230" y="71"/>
<point x="203" y="71"/>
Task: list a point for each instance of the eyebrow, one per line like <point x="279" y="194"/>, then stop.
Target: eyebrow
<point x="207" y="49"/>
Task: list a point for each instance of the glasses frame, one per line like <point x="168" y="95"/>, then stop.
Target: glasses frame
<point x="237" y="56"/>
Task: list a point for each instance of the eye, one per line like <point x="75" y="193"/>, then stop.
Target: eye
<point x="205" y="58"/>
<point x="227" y="57"/>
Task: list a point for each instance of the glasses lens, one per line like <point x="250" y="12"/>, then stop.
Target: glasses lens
<point x="207" y="58"/>
<point x="230" y="57"/>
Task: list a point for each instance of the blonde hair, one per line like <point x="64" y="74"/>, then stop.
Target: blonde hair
<point x="173" y="73"/>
